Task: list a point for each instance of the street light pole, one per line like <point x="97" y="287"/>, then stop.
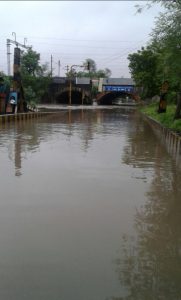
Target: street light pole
<point x="70" y="91"/>
<point x="70" y="83"/>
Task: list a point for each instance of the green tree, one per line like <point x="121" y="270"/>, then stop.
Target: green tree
<point x="71" y="73"/>
<point x="166" y="39"/>
<point x="92" y="65"/>
<point x="7" y="79"/>
<point x="30" y="63"/>
<point x="103" y="73"/>
<point x="167" y="35"/>
<point x="143" y="68"/>
<point x="92" y="72"/>
<point x="35" y="77"/>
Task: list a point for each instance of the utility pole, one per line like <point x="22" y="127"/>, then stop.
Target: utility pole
<point x="70" y="82"/>
<point x="59" y="68"/>
<point x="17" y="84"/>
<point x="9" y="42"/>
<point x="51" y="65"/>
<point x="8" y="57"/>
<point x="66" y="68"/>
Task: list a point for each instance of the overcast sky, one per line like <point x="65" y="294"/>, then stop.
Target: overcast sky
<point x="71" y="31"/>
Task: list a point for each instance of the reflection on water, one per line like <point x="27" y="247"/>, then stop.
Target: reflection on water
<point x="149" y="265"/>
<point x="74" y="183"/>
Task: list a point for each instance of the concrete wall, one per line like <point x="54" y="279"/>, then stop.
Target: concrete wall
<point x="9" y="118"/>
<point x="169" y="138"/>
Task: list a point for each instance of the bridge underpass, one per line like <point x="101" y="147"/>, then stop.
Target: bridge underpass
<point x="64" y="97"/>
<point x="111" y="91"/>
<point x="60" y="87"/>
<point x="112" y="98"/>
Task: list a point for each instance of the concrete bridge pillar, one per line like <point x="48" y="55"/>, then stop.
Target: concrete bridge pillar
<point x="83" y="96"/>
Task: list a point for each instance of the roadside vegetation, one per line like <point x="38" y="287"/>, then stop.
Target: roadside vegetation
<point x="35" y="77"/>
<point x="166" y="119"/>
<point x="160" y="62"/>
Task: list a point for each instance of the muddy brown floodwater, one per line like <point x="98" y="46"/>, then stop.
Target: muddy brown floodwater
<point x="90" y="209"/>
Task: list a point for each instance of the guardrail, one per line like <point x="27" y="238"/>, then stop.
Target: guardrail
<point x="10" y="118"/>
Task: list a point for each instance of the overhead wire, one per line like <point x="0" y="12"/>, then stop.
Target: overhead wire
<point x="103" y="52"/>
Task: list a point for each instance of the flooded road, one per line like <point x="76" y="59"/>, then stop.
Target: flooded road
<point x="90" y="209"/>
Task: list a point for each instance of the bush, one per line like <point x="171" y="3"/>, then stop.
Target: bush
<point x="172" y="97"/>
<point x="166" y="119"/>
<point x="30" y="95"/>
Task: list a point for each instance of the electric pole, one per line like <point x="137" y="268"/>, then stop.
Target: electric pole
<point x="8" y="57"/>
<point x="59" y="68"/>
<point x="66" y="68"/>
<point x="17" y="84"/>
<point x="9" y="42"/>
<point x="51" y="65"/>
<point x="70" y="82"/>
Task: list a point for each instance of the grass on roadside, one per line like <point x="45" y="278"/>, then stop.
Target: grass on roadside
<point x="166" y="119"/>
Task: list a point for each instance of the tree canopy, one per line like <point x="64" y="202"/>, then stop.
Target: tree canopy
<point x="161" y="60"/>
<point x="143" y="67"/>
<point x="35" y="77"/>
<point x="92" y="71"/>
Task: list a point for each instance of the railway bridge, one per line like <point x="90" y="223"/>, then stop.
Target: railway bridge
<point x="112" y="91"/>
<point x="63" y="90"/>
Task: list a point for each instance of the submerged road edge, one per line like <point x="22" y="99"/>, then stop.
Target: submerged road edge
<point x="168" y="137"/>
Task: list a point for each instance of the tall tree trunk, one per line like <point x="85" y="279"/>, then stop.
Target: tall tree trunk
<point x="178" y="108"/>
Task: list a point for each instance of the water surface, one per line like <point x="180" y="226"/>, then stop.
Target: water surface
<point x="89" y="209"/>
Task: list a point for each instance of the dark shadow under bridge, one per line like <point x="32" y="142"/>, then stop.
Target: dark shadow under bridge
<point x="116" y="98"/>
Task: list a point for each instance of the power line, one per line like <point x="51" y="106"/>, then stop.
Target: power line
<point x="86" y="40"/>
